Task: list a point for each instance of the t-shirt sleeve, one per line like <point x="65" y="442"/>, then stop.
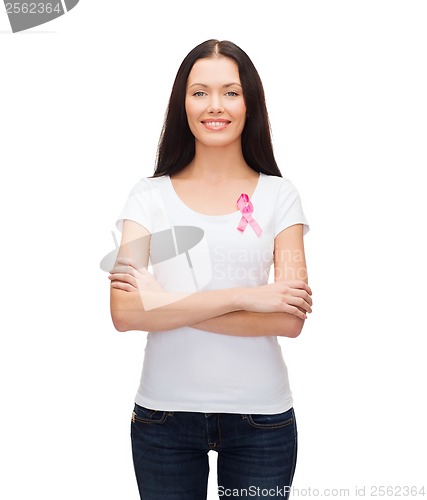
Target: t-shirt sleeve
<point x="137" y="206"/>
<point x="288" y="208"/>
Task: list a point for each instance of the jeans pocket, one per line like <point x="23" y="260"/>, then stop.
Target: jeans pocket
<point x="263" y="421"/>
<point x="148" y="416"/>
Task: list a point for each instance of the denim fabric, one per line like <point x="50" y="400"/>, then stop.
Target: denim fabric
<point x="256" y="454"/>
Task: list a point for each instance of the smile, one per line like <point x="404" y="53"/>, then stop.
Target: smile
<point x="216" y="125"/>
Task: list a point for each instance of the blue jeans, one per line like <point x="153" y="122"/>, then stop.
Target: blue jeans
<point x="256" y="454"/>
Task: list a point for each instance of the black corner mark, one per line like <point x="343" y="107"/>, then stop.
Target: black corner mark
<point x="70" y="4"/>
<point x="24" y="14"/>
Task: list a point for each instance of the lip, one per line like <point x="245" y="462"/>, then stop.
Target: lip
<point x="216" y="124"/>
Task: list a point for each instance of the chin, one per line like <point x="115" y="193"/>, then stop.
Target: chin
<point x="217" y="141"/>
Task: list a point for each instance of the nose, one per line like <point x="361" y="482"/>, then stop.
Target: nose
<point x="215" y="105"/>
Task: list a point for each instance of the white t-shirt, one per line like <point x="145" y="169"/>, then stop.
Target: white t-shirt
<point x="187" y="369"/>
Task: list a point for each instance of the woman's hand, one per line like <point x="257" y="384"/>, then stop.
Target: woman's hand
<point x="128" y="277"/>
<point x="293" y="297"/>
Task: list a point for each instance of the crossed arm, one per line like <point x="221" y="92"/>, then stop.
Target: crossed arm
<point x="138" y="302"/>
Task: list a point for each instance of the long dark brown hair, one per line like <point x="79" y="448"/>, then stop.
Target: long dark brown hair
<point x="177" y="145"/>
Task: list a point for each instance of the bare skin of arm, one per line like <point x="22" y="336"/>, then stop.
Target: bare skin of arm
<point x="132" y="287"/>
<point x="289" y="266"/>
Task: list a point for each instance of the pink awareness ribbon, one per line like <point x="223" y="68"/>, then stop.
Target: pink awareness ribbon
<point x="246" y="207"/>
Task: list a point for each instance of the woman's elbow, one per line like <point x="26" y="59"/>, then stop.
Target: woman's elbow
<point x="297" y="329"/>
<point x="119" y="322"/>
<point x="292" y="328"/>
<point x="124" y="322"/>
<point x="120" y="308"/>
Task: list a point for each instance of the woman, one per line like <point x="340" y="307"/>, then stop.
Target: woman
<point x="212" y="220"/>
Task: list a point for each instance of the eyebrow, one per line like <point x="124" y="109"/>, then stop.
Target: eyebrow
<point x="206" y="86"/>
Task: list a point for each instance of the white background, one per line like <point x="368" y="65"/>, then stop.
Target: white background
<point x="82" y="100"/>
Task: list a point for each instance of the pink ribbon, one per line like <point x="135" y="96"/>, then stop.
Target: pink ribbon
<point x="245" y="206"/>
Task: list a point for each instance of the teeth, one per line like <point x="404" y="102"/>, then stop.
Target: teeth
<point x="215" y="124"/>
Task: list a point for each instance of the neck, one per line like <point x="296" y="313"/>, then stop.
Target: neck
<point x="222" y="162"/>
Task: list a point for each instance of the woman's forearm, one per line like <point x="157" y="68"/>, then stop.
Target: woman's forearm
<point x="138" y="302"/>
<point x="253" y="324"/>
<point x="154" y="311"/>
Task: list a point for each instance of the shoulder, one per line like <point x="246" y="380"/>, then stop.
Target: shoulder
<point x="281" y="186"/>
<point x="147" y="185"/>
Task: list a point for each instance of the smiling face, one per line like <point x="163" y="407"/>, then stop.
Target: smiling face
<point x="214" y="102"/>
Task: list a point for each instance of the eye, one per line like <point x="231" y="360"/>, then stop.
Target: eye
<point x="199" y="93"/>
<point x="231" y="93"/>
